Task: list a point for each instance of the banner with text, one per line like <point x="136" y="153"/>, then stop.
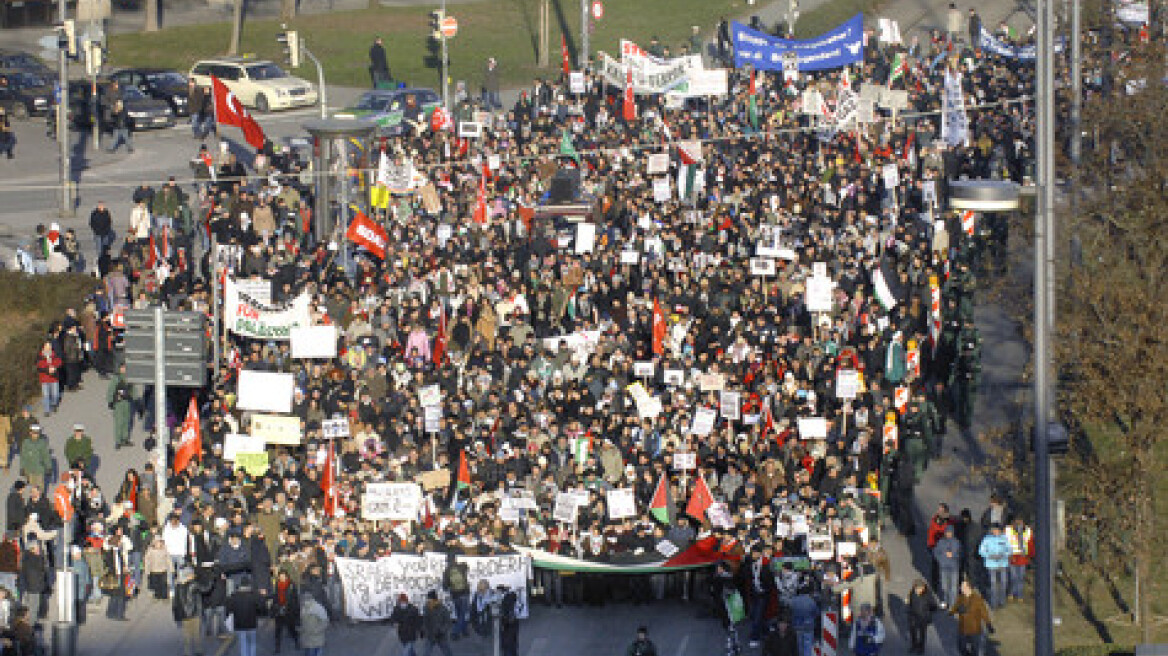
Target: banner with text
<point x="245" y="316"/>
<point x="839" y="46"/>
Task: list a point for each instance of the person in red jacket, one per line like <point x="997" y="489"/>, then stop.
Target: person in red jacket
<point x="941" y="520"/>
<point x="49" y="374"/>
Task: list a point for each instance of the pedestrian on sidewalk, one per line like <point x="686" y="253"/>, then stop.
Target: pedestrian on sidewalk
<point x="79" y="450"/>
<point x="7" y="136"/>
<point x="947" y="556"/>
<point x="642" y="646"/>
<point x="119" y="398"/>
<point x="49" y="374"/>
<point x="973" y="620"/>
<point x="1021" y="540"/>
<point x="378" y="63"/>
<point x="921" y="606"/>
<point x="33" y="579"/>
<point x="491" y="85"/>
<point x="35" y="460"/>
<point x="995" y="553"/>
<point x="123" y="133"/>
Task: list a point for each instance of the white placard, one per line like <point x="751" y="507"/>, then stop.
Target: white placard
<point x="585" y="238"/>
<point x="730" y="405"/>
<point x="711" y="382"/>
<point x="686" y="461"/>
<point x="335" y="429"/>
<point x="719" y="515"/>
<point x="234" y="443"/>
<point x="566" y="509"/>
<point x="847" y="384"/>
<point x="396" y="501"/>
<point x="621" y="503"/>
<point x="762" y="266"/>
<point x="314" y="342"/>
<point x="817" y="293"/>
<point x="819" y="270"/>
<point x="265" y="391"/>
<point x="667" y="548"/>
<point x="576" y="82"/>
<point x="431" y="414"/>
<point x="494" y="162"/>
<point x="257" y="289"/>
<point x="430" y="395"/>
<point x="891" y="176"/>
<point x="929" y="192"/>
<point x="703" y="421"/>
<point x="661" y="190"/>
<point x="846" y="549"/>
<point x="674" y="377"/>
<point x="470" y="129"/>
<point x="658" y="163"/>
<point x="630" y="257"/>
<point x="820" y="546"/>
<point x="812" y="428"/>
<point x="644" y="369"/>
<point x="889" y="30"/>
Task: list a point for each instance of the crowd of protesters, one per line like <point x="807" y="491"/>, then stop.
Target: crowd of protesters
<point x="490" y="311"/>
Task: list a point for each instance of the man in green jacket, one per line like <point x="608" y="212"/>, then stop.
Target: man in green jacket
<point x="34" y="457"/>
<point x="118" y="396"/>
<point x="79" y="449"/>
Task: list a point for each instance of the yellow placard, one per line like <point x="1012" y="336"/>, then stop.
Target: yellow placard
<point x="255" y="464"/>
<point x="276" y="429"/>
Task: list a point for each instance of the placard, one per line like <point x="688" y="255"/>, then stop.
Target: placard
<point x="430" y="395"/>
<point x="576" y="82"/>
<point x="335" y="429"/>
<point x="566" y="508"/>
<point x="658" y="163"/>
<point x="255" y="464"/>
<point x="719" y="515"/>
<point x="257" y="289"/>
<point x="621" y="503"/>
<point x="812" y="428"/>
<point x="434" y="479"/>
<point x="661" y="190"/>
<point x="730" y="405"/>
<point x="711" y="382"/>
<point x="891" y="176"/>
<point x="667" y="548"/>
<point x="431" y="417"/>
<point x="762" y="266"/>
<point x="894" y="99"/>
<point x="819" y="270"/>
<point x="234" y="443"/>
<point x="265" y="391"/>
<point x="648" y="406"/>
<point x="644" y="369"/>
<point x="847" y="384"/>
<point x="630" y="257"/>
<point x="470" y="129"/>
<point x="314" y="342"/>
<point x="395" y="501"/>
<point x="703" y="421"/>
<point x="585" y="238"/>
<point x="276" y="429"/>
<point x="674" y="377"/>
<point x="817" y="294"/>
<point x="687" y="461"/>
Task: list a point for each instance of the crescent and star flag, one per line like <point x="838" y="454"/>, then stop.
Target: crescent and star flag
<point x="564" y="55"/>
<point x="630" y="105"/>
<point x="230" y="111"/>
<point x="658" y="328"/>
<point x="365" y="232"/>
<point x="700" y="501"/>
<point x="190" y="442"/>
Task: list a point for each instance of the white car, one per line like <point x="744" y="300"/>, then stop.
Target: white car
<point x="256" y="82"/>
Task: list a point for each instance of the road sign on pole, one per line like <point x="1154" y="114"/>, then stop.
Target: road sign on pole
<point x="449" y="27"/>
<point x="597" y="9"/>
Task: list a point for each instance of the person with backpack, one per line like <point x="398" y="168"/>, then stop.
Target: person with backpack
<point x="187" y="607"/>
<point x="509" y="623"/>
<point x="456" y="582"/>
<point x="314" y="623"/>
<point x="436" y="624"/>
<point x="408" y="619"/>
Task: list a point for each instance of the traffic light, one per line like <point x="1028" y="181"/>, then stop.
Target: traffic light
<point x="436" y="18"/>
<point x="291" y="41"/>
<point x="69" y="35"/>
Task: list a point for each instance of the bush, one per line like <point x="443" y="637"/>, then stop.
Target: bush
<point x="28" y="307"/>
<point x="1097" y="650"/>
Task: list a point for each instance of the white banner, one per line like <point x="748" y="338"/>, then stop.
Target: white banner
<point x="245" y="316"/>
<point x="235" y="443"/>
<point x="265" y="392"/>
<point x="275" y="429"/>
<point x="647" y="78"/>
<point x="371" y="588"/>
<point x="398" y="501"/>
<point x="314" y="342"/>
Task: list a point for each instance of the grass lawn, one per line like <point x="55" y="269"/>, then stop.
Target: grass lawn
<point x="828" y="15"/>
<point x="504" y="29"/>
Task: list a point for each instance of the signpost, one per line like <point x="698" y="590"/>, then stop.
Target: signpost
<point x="449" y="27"/>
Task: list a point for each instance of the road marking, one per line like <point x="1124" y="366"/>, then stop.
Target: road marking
<point x="538" y="647"/>
<point x="224" y="645"/>
<point x="684" y="644"/>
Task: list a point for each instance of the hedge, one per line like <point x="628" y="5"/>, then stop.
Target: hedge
<point x="28" y="306"/>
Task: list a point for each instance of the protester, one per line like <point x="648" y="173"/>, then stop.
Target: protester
<point x="436" y="625"/>
<point x="973" y="620"/>
<point x="921" y="605"/>
<point x="867" y="635"/>
<point x="244" y="607"/>
<point x="313" y="626"/>
<point x="187" y="607"/>
<point x="409" y="624"/>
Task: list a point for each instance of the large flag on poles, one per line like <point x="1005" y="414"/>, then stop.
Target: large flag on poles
<point x="190" y="442"/>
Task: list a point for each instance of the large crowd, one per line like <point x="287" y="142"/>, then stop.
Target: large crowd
<point x="561" y="366"/>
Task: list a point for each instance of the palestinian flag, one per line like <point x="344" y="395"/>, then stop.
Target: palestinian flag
<point x="581" y="448"/>
<point x="752" y="106"/>
<point x="568" y="149"/>
<point x="899" y="68"/>
<point x="887" y="288"/>
<point x="661" y="507"/>
<point x="462" y="482"/>
<point x="690" y="154"/>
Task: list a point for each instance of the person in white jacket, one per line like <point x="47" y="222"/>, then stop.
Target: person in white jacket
<point x="139" y="222"/>
<point x="177" y="539"/>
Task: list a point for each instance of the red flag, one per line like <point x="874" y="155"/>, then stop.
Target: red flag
<point x="630" y="107"/>
<point x="753" y="89"/>
<point x="768" y="424"/>
<point x="700" y="501"/>
<point x="564" y="55"/>
<point x="229" y="111"/>
<point x="152" y="254"/>
<point x="440" y="120"/>
<point x="908" y="144"/>
<point x="439" y="351"/>
<point x="463" y="479"/>
<point x="366" y="232"/>
<point x="190" y="443"/>
<point x="658" y="328"/>
<point x="328" y="483"/>
<point x="480" y="208"/>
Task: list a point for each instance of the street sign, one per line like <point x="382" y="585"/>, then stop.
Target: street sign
<point x="449" y="27"/>
<point x="184" y="348"/>
<point x="597" y="9"/>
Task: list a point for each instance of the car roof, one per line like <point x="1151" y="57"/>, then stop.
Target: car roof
<point x="239" y="61"/>
<point x="389" y="93"/>
<point x="147" y="69"/>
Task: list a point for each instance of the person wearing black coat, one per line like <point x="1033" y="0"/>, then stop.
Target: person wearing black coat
<point x="33" y="578"/>
<point x="921" y="606"/>
<point x="285" y="605"/>
<point x="244" y="607"/>
<point x="408" y="619"/>
<point x="759" y="582"/>
<point x="509" y="624"/>
<point x="16" y="515"/>
<point x="187" y="608"/>
<point x="782" y="641"/>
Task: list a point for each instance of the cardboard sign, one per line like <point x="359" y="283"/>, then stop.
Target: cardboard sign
<point x="275" y="429"/>
<point x="847" y="384"/>
<point x="264" y="391"/>
<point x="435" y="479"/>
<point x="711" y="382"/>
<point x="430" y="395"/>
<point x="621" y="503"/>
<point x="255" y="464"/>
<point x="234" y="443"/>
<point x="566" y="510"/>
<point x="658" y="163"/>
<point x="644" y="369"/>
<point x="335" y="429"/>
<point x="685" y="461"/>
<point x="812" y="428"/>
<point x="730" y="405"/>
<point x="703" y="422"/>
<point x="762" y="266"/>
<point x="314" y="342"/>
<point x="395" y="501"/>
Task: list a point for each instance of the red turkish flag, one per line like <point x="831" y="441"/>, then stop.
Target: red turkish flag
<point x="700" y="501"/>
<point x="328" y="483"/>
<point x="365" y="232"/>
<point x="439" y="350"/>
<point x="190" y="443"/>
<point x="658" y="328"/>
<point x="440" y="120"/>
<point x="630" y="108"/>
<point x="480" y="209"/>
<point x="230" y="111"/>
<point x="564" y="55"/>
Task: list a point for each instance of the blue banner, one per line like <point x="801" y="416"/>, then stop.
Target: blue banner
<point x="835" y="48"/>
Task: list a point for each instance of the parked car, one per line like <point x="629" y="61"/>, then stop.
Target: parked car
<point x="25" y="93"/>
<point x="27" y="62"/>
<point x="164" y="84"/>
<point x="257" y="83"/>
<point x="387" y="107"/>
<point x="144" y="112"/>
